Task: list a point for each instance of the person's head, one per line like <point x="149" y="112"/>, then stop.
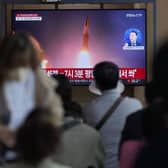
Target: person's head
<point x="133" y="36"/>
<point x="73" y="109"/>
<point x="17" y="51"/>
<point x="160" y="69"/>
<point x="37" y="138"/>
<point x="64" y="87"/>
<point x="106" y="75"/>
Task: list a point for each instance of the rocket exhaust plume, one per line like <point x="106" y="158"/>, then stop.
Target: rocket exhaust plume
<point x="84" y="56"/>
<point x="85" y="38"/>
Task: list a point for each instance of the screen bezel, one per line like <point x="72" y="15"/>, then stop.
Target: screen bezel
<point x="95" y="7"/>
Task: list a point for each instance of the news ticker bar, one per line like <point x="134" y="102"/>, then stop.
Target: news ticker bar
<point x="87" y="73"/>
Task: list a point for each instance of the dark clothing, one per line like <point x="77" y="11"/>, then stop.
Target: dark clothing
<point x="134" y="44"/>
<point x="133" y="127"/>
<point x="154" y="155"/>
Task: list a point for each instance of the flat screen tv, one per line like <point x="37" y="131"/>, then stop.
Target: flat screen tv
<point x="75" y="40"/>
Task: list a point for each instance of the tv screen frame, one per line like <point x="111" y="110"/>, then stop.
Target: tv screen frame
<point x="97" y="8"/>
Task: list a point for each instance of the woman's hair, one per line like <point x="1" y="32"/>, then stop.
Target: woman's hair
<point x="73" y="109"/>
<point x="37" y="138"/>
<point x="64" y="88"/>
<point x="17" y="50"/>
<point x="151" y="91"/>
<point x="160" y="68"/>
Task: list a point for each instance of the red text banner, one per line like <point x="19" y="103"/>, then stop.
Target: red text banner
<point x="87" y="73"/>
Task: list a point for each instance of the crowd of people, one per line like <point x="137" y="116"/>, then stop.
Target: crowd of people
<point x="42" y="127"/>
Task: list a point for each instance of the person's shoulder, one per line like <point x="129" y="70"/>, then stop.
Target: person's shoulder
<point x="135" y="115"/>
<point x="85" y="134"/>
<point x="91" y="105"/>
<point x="91" y="135"/>
<point x="133" y="101"/>
<point x="85" y="130"/>
<point x="131" y="105"/>
<point x="90" y="129"/>
<point x="95" y="100"/>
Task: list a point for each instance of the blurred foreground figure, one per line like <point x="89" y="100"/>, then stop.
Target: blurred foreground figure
<point x="23" y="85"/>
<point x="36" y="140"/>
<point x="132" y="139"/>
<point x="155" y="119"/>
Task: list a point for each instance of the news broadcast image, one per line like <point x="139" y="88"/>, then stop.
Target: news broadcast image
<point x="75" y="40"/>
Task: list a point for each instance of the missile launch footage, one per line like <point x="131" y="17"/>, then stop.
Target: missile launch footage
<point x="79" y="39"/>
<point x="84" y="55"/>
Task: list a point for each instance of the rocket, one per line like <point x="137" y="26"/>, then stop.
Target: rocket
<point x="85" y="37"/>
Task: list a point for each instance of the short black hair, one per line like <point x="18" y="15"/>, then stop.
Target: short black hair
<point x="73" y="109"/>
<point x="106" y="75"/>
<point x="37" y="138"/>
<point x="134" y="32"/>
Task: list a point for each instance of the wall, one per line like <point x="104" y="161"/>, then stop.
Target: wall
<point x="162" y="23"/>
<point x="4" y="2"/>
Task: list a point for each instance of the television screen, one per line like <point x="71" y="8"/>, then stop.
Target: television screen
<point x="75" y="40"/>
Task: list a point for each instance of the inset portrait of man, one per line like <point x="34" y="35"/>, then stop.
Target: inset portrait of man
<point x="133" y="37"/>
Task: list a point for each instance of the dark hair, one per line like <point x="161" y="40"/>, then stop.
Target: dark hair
<point x="160" y="67"/>
<point x="106" y="75"/>
<point x="151" y="91"/>
<point x="155" y="118"/>
<point x="37" y="138"/>
<point x="134" y="32"/>
<point x="64" y="87"/>
<point x="73" y="109"/>
<point x="17" y="50"/>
